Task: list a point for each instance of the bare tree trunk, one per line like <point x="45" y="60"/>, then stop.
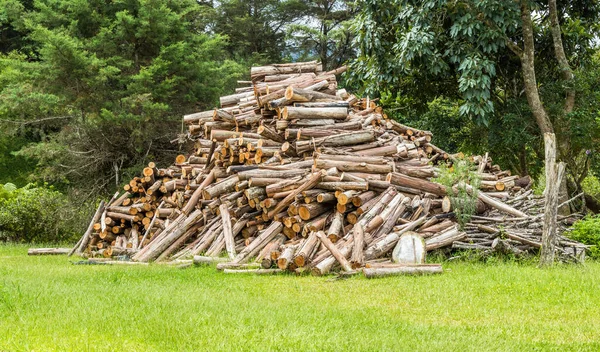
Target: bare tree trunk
<point x="528" y="67"/>
<point x="554" y="175"/>
<point x="568" y="77"/>
<point x="559" y="51"/>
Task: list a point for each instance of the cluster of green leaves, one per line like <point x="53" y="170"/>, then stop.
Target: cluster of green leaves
<point x="587" y="231"/>
<point x="425" y="39"/>
<point x="444" y="66"/>
<point x="102" y="86"/>
<point x="591" y="186"/>
<point x="324" y="33"/>
<point x="462" y="184"/>
<point x="256" y="30"/>
<point x="37" y="214"/>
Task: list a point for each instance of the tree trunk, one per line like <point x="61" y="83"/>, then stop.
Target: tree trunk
<point x="559" y="51"/>
<point x="528" y="67"/>
<point x="554" y="175"/>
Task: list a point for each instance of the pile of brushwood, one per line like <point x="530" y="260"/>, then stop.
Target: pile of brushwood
<point x="293" y="174"/>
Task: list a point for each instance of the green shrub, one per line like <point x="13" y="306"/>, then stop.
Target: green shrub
<point x="591" y="186"/>
<point x="37" y="214"/>
<point x="457" y="178"/>
<point x="587" y="231"/>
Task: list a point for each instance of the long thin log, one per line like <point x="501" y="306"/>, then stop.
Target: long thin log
<point x="85" y="239"/>
<point x="48" y="251"/>
<point x="357" y="257"/>
<point x="341" y="258"/>
<point x="265" y="237"/>
<point x="371" y="273"/>
<point x="227" y="230"/>
<point x="310" y="183"/>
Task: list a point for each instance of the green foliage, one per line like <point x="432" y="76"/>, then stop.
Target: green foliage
<point x="37" y="214"/>
<point x="540" y="184"/>
<point x="434" y="38"/>
<point x="256" y="29"/>
<point x="462" y="184"/>
<point x="444" y="65"/>
<point x="12" y="168"/>
<point x="325" y="33"/>
<point x="587" y="231"/>
<point x="591" y="186"/>
<point x="105" y="84"/>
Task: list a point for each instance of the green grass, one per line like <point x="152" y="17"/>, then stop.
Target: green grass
<point x="47" y="304"/>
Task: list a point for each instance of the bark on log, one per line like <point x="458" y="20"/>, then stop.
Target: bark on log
<point x="371" y="273"/>
<point x="85" y="239"/>
<point x="357" y="258"/>
<point x="48" y="251"/>
<point x="337" y="254"/>
<point x="227" y="230"/>
<point x="265" y="237"/>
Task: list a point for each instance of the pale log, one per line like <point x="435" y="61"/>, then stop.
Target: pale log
<point x="416" y="183"/>
<point x="335" y="229"/>
<point x="48" y="251"/>
<point x="445" y="238"/>
<point x="85" y="239"/>
<point x="371" y="273"/>
<point x="357" y="258"/>
<point x="265" y="237"/>
<point x="297" y="113"/>
<point x="227" y="230"/>
<point x="337" y="254"/>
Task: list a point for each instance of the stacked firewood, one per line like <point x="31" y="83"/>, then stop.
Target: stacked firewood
<point x="291" y="173"/>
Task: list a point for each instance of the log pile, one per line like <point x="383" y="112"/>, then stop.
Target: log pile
<point x="293" y="174"/>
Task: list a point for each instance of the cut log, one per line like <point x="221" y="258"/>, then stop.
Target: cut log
<point x="85" y="239"/>
<point x="410" y="249"/>
<point x="357" y="257"/>
<point x="48" y="251"/>
<point x="445" y="238"/>
<point x="265" y="237"/>
<point x="227" y="230"/>
<point x="371" y="273"/>
<point x="337" y="254"/>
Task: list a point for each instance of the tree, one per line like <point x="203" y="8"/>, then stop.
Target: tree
<point x="325" y="32"/>
<point x="256" y="29"/>
<point x="105" y="85"/>
<point x="487" y="55"/>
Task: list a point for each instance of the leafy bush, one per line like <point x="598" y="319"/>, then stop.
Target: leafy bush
<point x="457" y="178"/>
<point x="37" y="214"/>
<point x="587" y="231"/>
<point x="591" y="186"/>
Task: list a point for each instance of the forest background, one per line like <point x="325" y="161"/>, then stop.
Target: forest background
<point x="91" y="91"/>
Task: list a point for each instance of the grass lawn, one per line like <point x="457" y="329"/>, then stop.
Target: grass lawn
<point x="47" y="304"/>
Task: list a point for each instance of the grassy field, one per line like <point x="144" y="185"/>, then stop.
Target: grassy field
<point x="48" y="304"/>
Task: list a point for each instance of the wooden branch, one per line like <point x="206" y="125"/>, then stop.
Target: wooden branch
<point x="48" y="251"/>
<point x="85" y="239"/>
<point x="227" y="230"/>
<point x="341" y="258"/>
<point x="371" y="273"/>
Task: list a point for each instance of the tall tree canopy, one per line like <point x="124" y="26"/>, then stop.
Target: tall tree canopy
<point x="256" y="29"/>
<point x="324" y="32"/>
<point x="508" y="65"/>
<point x="103" y="84"/>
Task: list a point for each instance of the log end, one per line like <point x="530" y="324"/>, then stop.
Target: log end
<point x="289" y="93"/>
